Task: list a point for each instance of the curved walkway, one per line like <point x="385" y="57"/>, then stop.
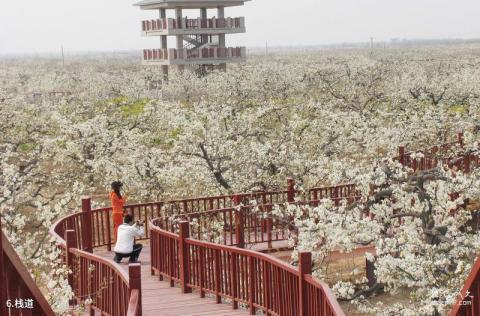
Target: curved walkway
<point x="265" y="284"/>
<point x="159" y="299"/>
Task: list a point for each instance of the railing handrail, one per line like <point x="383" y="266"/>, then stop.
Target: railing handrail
<point x="331" y="299"/>
<point x="236" y="250"/>
<point x="115" y="266"/>
<point x="8" y="253"/>
<point x="231" y="250"/>
<point x="279" y="264"/>
<point x="52" y="231"/>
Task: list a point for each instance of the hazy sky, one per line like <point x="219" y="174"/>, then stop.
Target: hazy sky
<point x="35" y="26"/>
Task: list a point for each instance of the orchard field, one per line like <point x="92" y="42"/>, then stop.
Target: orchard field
<point x="320" y="117"/>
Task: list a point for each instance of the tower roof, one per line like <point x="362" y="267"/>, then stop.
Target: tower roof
<point x="187" y="4"/>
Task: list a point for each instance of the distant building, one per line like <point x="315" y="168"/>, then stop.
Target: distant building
<point x="200" y="41"/>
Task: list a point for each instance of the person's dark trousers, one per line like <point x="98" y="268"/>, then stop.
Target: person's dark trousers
<point x="137" y="248"/>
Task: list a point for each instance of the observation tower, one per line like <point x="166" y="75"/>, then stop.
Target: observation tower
<point x="200" y="41"/>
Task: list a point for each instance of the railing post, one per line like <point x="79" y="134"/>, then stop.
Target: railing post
<point x="291" y="190"/>
<point x="266" y="285"/>
<point x="370" y="272"/>
<point x="184" y="257"/>
<point x="185" y="207"/>
<point x="202" y="272"/>
<point x="304" y="267"/>
<point x="135" y="283"/>
<point x="171" y="261"/>
<point x="251" y="285"/>
<point x="315" y="197"/>
<point x="234" y="280"/>
<point x="239" y="227"/>
<point x="109" y="232"/>
<point x="269" y="226"/>
<point x="218" y="289"/>
<point x="71" y="242"/>
<point x="460" y="139"/>
<point x="466" y="166"/>
<point x="401" y="154"/>
<point x="87" y="224"/>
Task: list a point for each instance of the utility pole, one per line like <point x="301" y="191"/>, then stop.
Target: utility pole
<point x="371" y="43"/>
<point x="266" y="48"/>
<point x="63" y="58"/>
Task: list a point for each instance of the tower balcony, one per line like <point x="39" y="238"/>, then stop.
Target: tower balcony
<point x="186" y="26"/>
<point x="208" y="55"/>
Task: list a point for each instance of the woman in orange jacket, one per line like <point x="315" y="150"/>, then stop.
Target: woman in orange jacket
<point x="118" y="202"/>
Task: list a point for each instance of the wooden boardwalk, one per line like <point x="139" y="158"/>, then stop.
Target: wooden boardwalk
<point x="159" y="299"/>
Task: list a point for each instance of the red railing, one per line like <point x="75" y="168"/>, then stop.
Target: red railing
<point x="259" y="281"/>
<point x="195" y="53"/>
<point x="110" y="289"/>
<point x="184" y="23"/>
<point x="434" y="156"/>
<point x="468" y="301"/>
<point x="17" y="285"/>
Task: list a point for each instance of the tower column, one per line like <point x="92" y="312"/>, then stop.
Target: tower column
<point x="203" y="37"/>
<point x="178" y="16"/>
<point x="164" y="42"/>
<point x="221" y="37"/>
<point x="203" y="15"/>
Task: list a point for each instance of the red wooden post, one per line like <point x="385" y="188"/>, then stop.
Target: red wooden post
<point x="304" y="267"/>
<point x="401" y="154"/>
<point x="109" y="233"/>
<point x="171" y="261"/>
<point x="251" y="285"/>
<point x="184" y="257"/>
<point x="87" y="224"/>
<point x="466" y="166"/>
<point x="460" y="139"/>
<point x="3" y="287"/>
<point x="135" y="283"/>
<point x="202" y="271"/>
<point x="234" y="280"/>
<point x="71" y="242"/>
<point x="269" y="226"/>
<point x="239" y="225"/>
<point x="370" y="272"/>
<point x="218" y="288"/>
<point x="267" y="286"/>
<point x="153" y="252"/>
<point x="185" y="207"/>
<point x="291" y="190"/>
<point x="315" y="197"/>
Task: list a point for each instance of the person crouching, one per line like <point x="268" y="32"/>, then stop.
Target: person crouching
<point x="126" y="234"/>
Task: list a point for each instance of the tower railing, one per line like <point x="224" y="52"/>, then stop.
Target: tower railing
<point x="213" y="53"/>
<point x="198" y="23"/>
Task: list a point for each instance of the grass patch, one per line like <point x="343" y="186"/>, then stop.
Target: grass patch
<point x="28" y="147"/>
